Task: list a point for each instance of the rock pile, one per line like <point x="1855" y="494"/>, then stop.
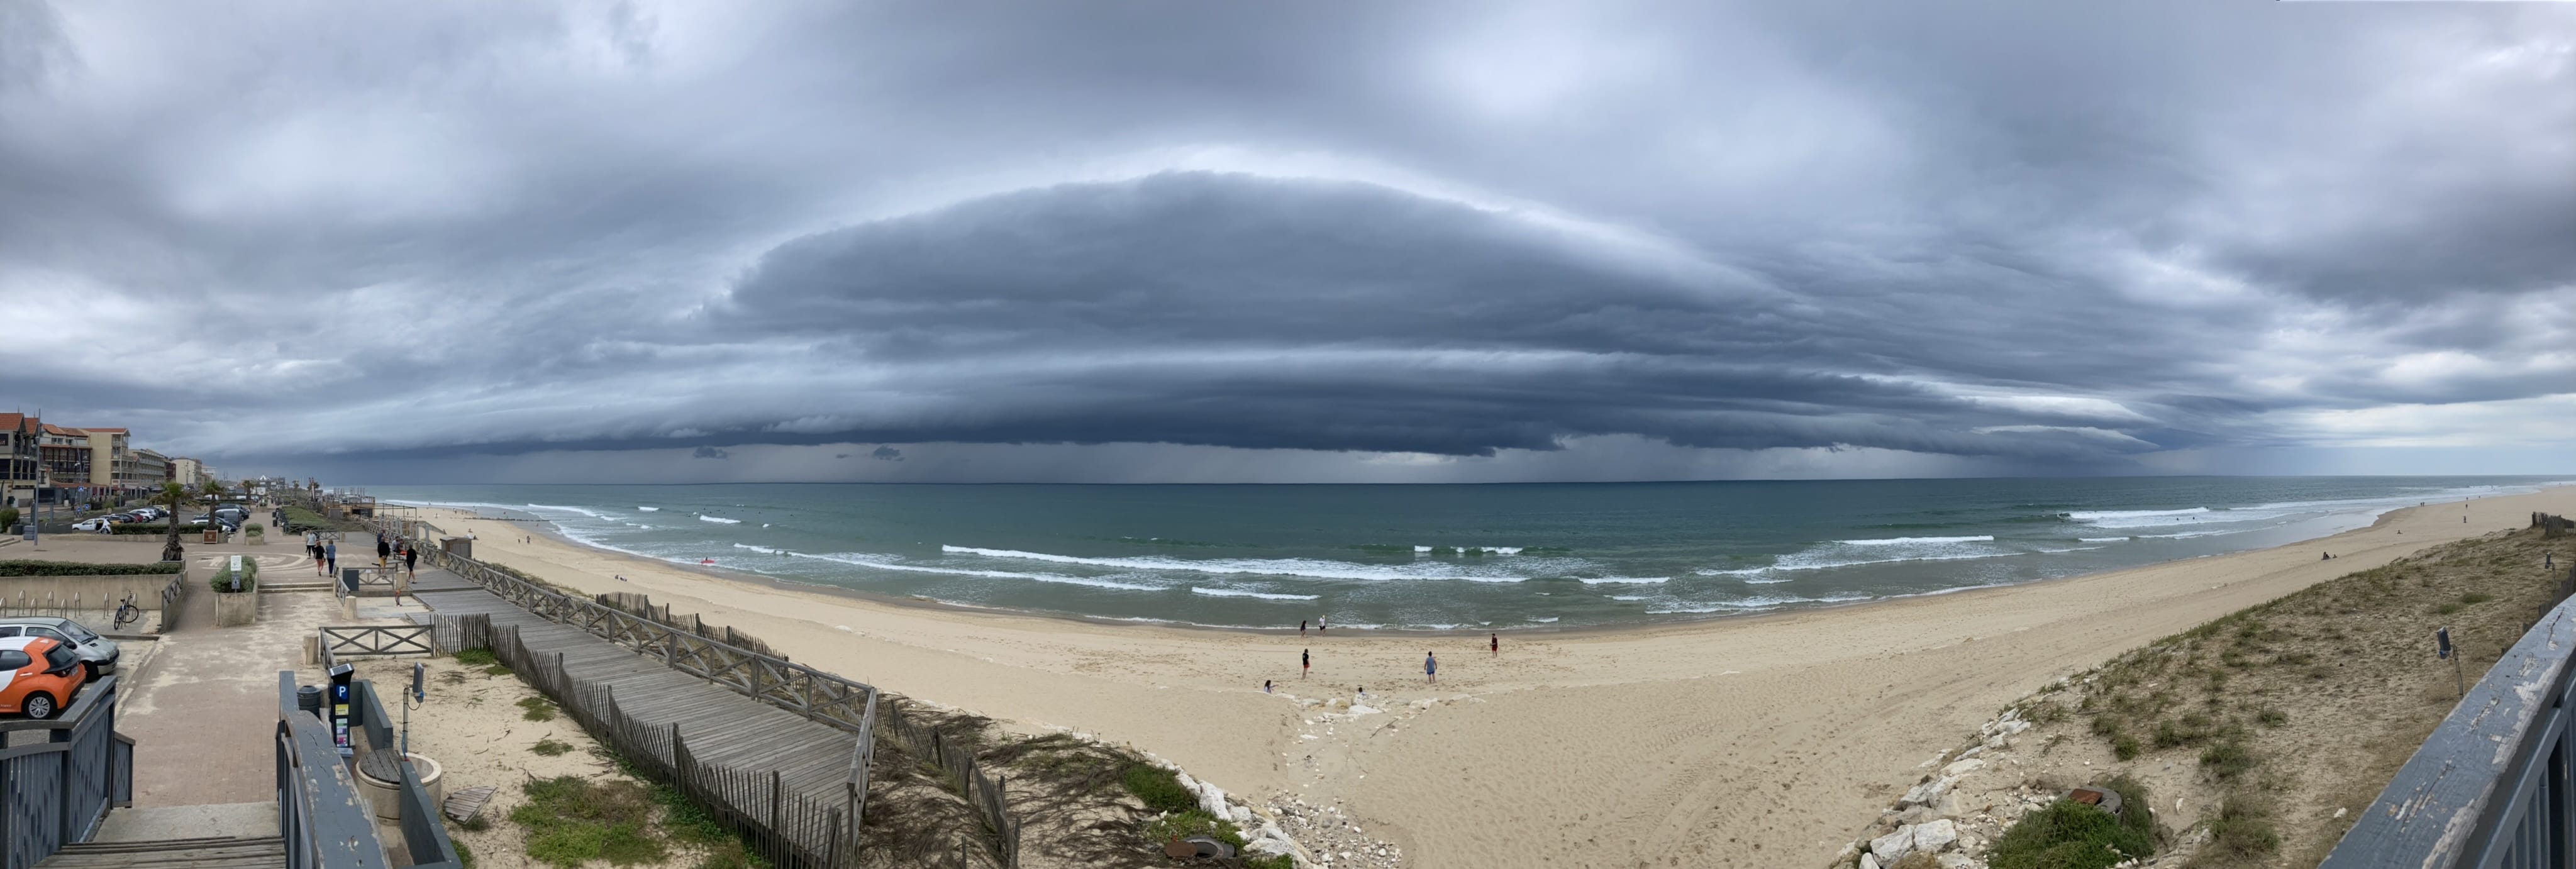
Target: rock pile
<point x="1338" y="841"/>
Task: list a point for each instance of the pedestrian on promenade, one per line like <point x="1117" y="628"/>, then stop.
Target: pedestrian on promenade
<point x="411" y="561"/>
<point x="1305" y="663"/>
<point x="384" y="550"/>
<point x="317" y="559"/>
<point x="330" y="558"/>
<point x="1430" y="668"/>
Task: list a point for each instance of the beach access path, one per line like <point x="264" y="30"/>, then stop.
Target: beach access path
<point x="720" y="726"/>
<point x="1743" y="742"/>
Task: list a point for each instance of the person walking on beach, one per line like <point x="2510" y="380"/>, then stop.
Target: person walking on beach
<point x="330" y="558"/>
<point x="1265" y="686"/>
<point x="1430" y="668"/>
<point x="411" y="561"/>
<point x="1497" y="641"/>
<point x="1319" y="624"/>
<point x="1305" y="663"/>
<point x="1301" y="627"/>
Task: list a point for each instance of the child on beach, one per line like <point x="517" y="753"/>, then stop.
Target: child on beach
<point x="1430" y="667"/>
<point x="1265" y="686"/>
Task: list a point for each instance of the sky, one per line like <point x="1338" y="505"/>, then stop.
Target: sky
<point x="1209" y="242"/>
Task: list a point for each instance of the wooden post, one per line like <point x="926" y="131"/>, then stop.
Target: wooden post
<point x="777" y="798"/>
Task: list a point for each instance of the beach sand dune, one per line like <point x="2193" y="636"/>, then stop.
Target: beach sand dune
<point x="1760" y="741"/>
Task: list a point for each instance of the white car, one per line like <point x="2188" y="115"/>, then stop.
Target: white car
<point x="100" y="525"/>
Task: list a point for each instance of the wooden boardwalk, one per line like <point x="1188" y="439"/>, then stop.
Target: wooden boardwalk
<point x="721" y="727"/>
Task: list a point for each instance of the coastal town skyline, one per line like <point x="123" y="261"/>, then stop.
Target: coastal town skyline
<point x="613" y="242"/>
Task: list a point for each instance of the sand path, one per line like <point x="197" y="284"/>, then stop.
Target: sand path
<point x="1758" y="741"/>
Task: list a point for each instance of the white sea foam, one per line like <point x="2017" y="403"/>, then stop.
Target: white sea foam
<point x="2101" y="539"/>
<point x="1623" y="580"/>
<point x="1632" y="597"/>
<point x="719" y="520"/>
<point x="2096" y="515"/>
<point x="1465" y="550"/>
<point x="1262" y="566"/>
<point x="1917" y="541"/>
<point x="1544" y="620"/>
<point x="1230" y="592"/>
<point x="761" y="549"/>
<point x="650" y="509"/>
<point x="581" y="510"/>
<point x="881" y="562"/>
<point x="1420" y="549"/>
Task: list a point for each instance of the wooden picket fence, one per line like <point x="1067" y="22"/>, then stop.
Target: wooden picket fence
<point x="982" y="789"/>
<point x="643" y="606"/>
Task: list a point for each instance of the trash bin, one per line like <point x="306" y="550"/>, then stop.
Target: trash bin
<point x="309" y="699"/>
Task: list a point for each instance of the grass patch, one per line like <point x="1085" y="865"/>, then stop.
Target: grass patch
<point x="2241" y="835"/>
<point x="2227" y="759"/>
<point x="2476" y="597"/>
<point x="572" y="821"/>
<point x="537" y="709"/>
<point x="496" y="670"/>
<point x="2071" y="835"/>
<point x="1159" y="788"/>
<point x="550" y="747"/>
<point x="476" y="657"/>
<point x="464" y="855"/>
<point x="1193" y="823"/>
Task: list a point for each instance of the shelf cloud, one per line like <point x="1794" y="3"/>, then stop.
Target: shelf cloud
<point x="1325" y="241"/>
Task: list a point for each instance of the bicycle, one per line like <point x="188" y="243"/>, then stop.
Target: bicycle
<point x="127" y="613"/>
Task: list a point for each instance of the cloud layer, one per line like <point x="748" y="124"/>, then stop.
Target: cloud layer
<point x="2003" y="238"/>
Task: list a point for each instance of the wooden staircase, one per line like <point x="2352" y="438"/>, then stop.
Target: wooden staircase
<point x="226" y="852"/>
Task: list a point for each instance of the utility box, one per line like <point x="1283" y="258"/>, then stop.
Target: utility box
<point x="458" y="546"/>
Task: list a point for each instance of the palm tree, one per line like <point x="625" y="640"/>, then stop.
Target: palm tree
<point x="175" y="497"/>
<point x="211" y="491"/>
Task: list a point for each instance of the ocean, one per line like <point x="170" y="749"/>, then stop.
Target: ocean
<point x="1442" y="557"/>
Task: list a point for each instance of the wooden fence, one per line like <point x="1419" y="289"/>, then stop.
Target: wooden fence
<point x="791" y="829"/>
<point x="356" y="641"/>
<point x="982" y="789"/>
<point x="812" y="693"/>
<point x="642" y="605"/>
<point x="453" y="634"/>
<point x="2552" y="526"/>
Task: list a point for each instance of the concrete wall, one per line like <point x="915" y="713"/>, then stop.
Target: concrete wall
<point x="236" y="610"/>
<point x="90" y="592"/>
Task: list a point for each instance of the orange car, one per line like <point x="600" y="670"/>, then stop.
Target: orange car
<point x="38" y="676"/>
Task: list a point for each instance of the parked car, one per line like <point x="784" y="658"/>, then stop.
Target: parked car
<point x="97" y="654"/>
<point x="99" y="524"/>
<point x="38" y="676"/>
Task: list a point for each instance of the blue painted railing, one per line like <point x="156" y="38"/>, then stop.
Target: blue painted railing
<point x="58" y="777"/>
<point x="2492" y="787"/>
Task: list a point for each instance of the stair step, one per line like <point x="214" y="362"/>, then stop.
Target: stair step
<point x="207" y="853"/>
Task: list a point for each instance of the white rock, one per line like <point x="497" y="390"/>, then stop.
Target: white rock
<point x="1933" y="836"/>
<point x="1972" y="752"/>
<point x="1927" y="792"/>
<point x="1868" y="862"/>
<point x="2014" y="728"/>
<point x="1893" y="846"/>
<point x="1962" y="767"/>
<point x="1266" y="847"/>
<point x="1242" y="814"/>
<point x="1957" y="861"/>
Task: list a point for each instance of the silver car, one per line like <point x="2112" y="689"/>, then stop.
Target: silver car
<point x="97" y="653"/>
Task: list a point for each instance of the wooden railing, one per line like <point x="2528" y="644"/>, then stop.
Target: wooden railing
<point x="982" y="789"/>
<point x="358" y="641"/>
<point x="812" y="693"/>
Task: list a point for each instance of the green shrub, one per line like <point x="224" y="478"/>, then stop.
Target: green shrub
<point x="8" y="517"/>
<point x="476" y="657"/>
<point x="571" y="821"/>
<point x="2125" y="747"/>
<point x="2476" y="597"/>
<point x="550" y="747"/>
<point x="1159" y="788"/>
<point x="2242" y="833"/>
<point x="223" y="579"/>
<point x="2071" y="835"/>
<point x="75" y="568"/>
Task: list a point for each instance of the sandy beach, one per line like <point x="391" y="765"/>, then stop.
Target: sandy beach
<point x="1752" y="741"/>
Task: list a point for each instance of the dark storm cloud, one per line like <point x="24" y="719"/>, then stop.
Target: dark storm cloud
<point x="2044" y="236"/>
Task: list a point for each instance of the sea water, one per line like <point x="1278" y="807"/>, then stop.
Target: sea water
<point x="1438" y="557"/>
